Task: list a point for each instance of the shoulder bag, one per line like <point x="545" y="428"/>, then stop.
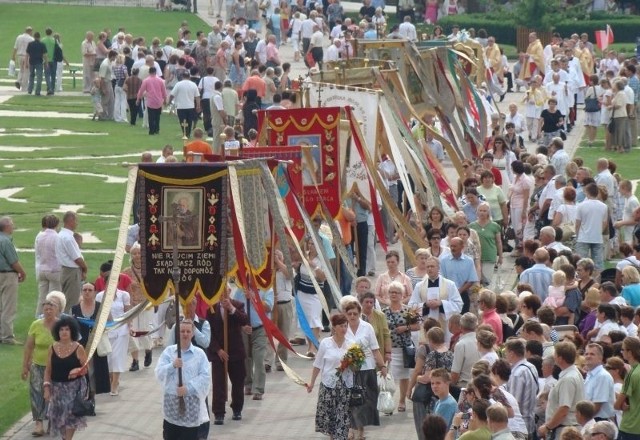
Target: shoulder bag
<point x="408" y="350"/>
<point x="611" y="126"/>
<point x="591" y="105"/>
<point x="82" y="405"/>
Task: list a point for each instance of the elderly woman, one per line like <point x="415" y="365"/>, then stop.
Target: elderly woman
<point x="400" y="328"/>
<point x="605" y="430"/>
<point x="86" y="312"/>
<point x="392" y="274"/>
<point x="118" y="337"/>
<point x="378" y="321"/>
<point x="620" y="119"/>
<point x="141" y="324"/>
<point x="519" y="193"/>
<point x="631" y="282"/>
<point x="333" y="412"/>
<point x="363" y="334"/>
<point x="428" y="358"/>
<point x="36" y="351"/>
<point x="63" y="379"/>
<point x="490" y="241"/>
<point x="584" y="272"/>
<point x="307" y="295"/>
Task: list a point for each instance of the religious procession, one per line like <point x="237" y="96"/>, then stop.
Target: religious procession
<point x="506" y="307"/>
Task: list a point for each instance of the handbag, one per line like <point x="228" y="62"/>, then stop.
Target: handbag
<point x="82" y="405"/>
<point x="611" y="126"/>
<point x="409" y="356"/>
<point x="104" y="346"/>
<point x="309" y="60"/>
<point x="510" y="233"/>
<point x="591" y="105"/>
<point x="356" y="397"/>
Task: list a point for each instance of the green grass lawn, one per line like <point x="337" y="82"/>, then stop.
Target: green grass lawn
<point x="68" y="146"/>
<point x="72" y="22"/>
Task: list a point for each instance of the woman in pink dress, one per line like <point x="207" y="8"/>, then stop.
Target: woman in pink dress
<point x="431" y="11"/>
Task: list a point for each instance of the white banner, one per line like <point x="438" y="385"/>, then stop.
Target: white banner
<point x="365" y="109"/>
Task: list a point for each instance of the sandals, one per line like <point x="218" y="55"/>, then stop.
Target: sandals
<point x="402" y="407"/>
<point x="311" y="354"/>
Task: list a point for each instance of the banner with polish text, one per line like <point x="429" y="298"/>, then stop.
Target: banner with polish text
<point x="183" y="206"/>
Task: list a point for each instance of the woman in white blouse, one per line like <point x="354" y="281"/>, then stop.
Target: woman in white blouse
<point x="333" y="412"/>
<point x="363" y="334"/>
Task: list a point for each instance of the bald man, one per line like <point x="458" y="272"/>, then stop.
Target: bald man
<point x="539" y="275"/>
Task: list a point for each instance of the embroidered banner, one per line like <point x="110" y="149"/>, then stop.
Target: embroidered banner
<point x="183" y="205"/>
<point x="316" y="131"/>
<point x="288" y="187"/>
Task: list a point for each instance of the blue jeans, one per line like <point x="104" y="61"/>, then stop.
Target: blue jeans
<point x="595" y="251"/>
<point x="50" y="77"/>
<point x="35" y="71"/>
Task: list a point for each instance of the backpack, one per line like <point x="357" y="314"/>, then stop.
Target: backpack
<point x="57" y="53"/>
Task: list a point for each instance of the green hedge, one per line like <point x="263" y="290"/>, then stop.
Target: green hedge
<point x="625" y="27"/>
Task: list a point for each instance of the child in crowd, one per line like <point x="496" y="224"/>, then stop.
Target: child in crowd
<point x="556" y="294"/>
<point x="96" y="99"/>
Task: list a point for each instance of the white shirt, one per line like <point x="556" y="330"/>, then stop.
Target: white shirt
<point x="22" y="41"/>
<point x="591" y="213"/>
<point x="408" y="30"/>
<point x="67" y="249"/>
<point x="284" y="287"/>
<point x="184" y="94"/>
<point x="365" y="336"/>
<point x="45" y="247"/>
<point x="207" y="85"/>
<point x="518" y="121"/>
<point x="316" y="39"/>
<point x="606" y="178"/>
<point x="328" y="359"/>
<point x="261" y="51"/>
<point x="332" y="53"/>
<point x="306" y="28"/>
<point x="608" y="327"/>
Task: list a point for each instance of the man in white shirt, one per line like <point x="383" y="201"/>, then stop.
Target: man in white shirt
<point x="605" y="178"/>
<point x="187" y="99"/>
<point x="306" y="31"/>
<point x="559" y="158"/>
<point x="408" y="30"/>
<point x="598" y="385"/>
<point x="592" y="219"/>
<point x="21" y="59"/>
<point x="516" y="118"/>
<point x="74" y="268"/>
<point x="261" y="51"/>
<point x="334" y="51"/>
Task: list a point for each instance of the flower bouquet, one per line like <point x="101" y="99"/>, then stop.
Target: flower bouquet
<point x="353" y="359"/>
<point x="412" y="316"/>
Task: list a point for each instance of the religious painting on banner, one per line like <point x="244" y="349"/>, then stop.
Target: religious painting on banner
<point x="289" y="186"/>
<point x="183" y="205"/>
<point x="316" y="131"/>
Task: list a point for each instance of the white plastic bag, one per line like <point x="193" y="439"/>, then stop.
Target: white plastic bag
<point x="386" y="404"/>
<point x="386" y="383"/>
<point x="12" y="68"/>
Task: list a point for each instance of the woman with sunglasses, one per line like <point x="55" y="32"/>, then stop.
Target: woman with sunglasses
<point x="36" y="351"/>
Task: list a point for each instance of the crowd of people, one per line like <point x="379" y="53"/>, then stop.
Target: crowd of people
<point x="553" y="356"/>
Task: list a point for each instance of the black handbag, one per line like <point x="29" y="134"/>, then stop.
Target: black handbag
<point x="409" y="356"/>
<point x="82" y="405"/>
<point x="356" y="397"/>
<point x="611" y="126"/>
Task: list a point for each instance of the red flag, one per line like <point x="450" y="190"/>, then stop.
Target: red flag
<point x="609" y="34"/>
<point x="604" y="38"/>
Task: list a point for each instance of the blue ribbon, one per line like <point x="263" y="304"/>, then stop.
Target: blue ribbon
<point x="304" y="324"/>
<point x="92" y="323"/>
